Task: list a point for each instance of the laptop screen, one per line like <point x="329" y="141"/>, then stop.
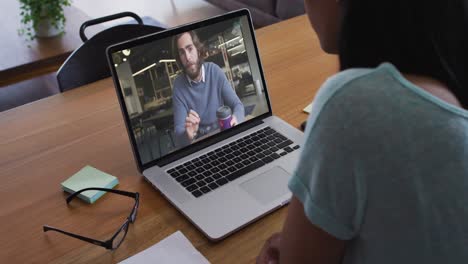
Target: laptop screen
<point x="188" y="86"/>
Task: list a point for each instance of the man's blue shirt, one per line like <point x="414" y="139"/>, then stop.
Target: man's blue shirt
<point x="205" y="98"/>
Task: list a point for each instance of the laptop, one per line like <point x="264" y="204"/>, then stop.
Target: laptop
<point x="200" y="123"/>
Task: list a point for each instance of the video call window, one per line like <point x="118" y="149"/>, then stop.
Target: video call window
<point x="185" y="88"/>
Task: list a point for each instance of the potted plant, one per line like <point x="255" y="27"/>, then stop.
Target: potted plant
<point x="42" y="18"/>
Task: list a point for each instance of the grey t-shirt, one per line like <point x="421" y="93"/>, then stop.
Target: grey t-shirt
<point x="204" y="98"/>
<point x="385" y="166"/>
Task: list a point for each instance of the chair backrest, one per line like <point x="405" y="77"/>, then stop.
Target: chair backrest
<point x="88" y="63"/>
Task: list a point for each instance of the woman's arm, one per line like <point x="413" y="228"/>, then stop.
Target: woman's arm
<point x="301" y="242"/>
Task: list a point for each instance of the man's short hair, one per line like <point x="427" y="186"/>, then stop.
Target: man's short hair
<point x="196" y="41"/>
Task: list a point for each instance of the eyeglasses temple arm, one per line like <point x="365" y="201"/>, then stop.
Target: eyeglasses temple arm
<point x="129" y="194"/>
<point x="87" y="239"/>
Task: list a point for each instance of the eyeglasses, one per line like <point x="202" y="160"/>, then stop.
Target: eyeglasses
<point x="115" y="241"/>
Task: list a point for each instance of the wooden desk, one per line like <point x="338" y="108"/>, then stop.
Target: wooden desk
<point x="21" y="59"/>
<point x="43" y="143"/>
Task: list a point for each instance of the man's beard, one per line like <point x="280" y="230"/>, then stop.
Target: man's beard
<point x="196" y="73"/>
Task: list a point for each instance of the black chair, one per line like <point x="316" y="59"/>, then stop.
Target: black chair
<point x="88" y="63"/>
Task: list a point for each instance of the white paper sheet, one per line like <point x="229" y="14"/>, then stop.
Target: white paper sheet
<point x="174" y="249"/>
<point x="308" y="108"/>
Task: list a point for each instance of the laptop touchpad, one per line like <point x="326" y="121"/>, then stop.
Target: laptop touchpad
<point x="268" y="186"/>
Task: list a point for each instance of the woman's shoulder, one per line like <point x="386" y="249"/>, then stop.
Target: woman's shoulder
<point x="358" y="98"/>
<point x="356" y="79"/>
<point x="357" y="86"/>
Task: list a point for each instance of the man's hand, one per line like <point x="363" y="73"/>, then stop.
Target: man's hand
<point x="270" y="251"/>
<point x="191" y="124"/>
<point x="233" y="121"/>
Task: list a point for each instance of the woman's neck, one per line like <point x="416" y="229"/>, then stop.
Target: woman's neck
<point x="434" y="87"/>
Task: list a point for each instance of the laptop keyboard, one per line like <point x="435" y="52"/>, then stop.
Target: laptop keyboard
<point x="231" y="161"/>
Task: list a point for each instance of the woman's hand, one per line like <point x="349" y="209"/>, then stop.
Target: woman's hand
<point x="270" y="251"/>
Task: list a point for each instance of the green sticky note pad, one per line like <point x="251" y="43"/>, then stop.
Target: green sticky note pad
<point x="89" y="177"/>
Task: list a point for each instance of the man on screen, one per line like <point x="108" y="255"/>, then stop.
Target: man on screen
<point x="199" y="92"/>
